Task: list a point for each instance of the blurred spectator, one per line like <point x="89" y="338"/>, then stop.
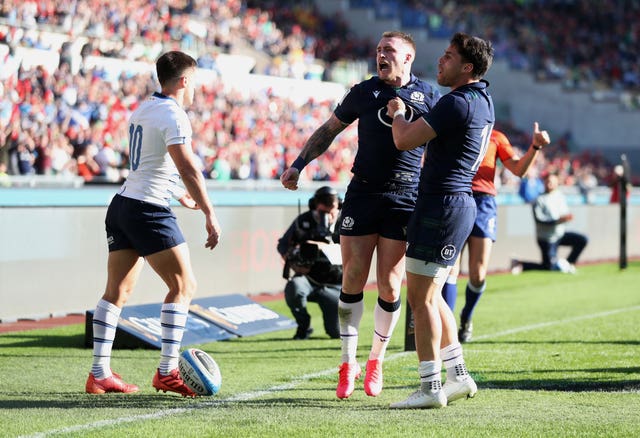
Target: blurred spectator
<point x="25" y="157"/>
<point x="108" y="162"/>
<point x="531" y="186"/>
<point x="586" y="182"/>
<point x="551" y="213"/>
<point x="616" y="184"/>
<point x="4" y="176"/>
<point x="87" y="166"/>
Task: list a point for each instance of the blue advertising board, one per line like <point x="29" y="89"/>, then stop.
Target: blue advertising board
<point x="210" y="320"/>
<point x="240" y="315"/>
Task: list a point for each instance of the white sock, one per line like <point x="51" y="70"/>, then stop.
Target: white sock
<point x="105" y="322"/>
<point x="384" y="323"/>
<point x="349" y="315"/>
<point x="173" y="319"/>
<point x="430" y="378"/>
<point x="453" y="361"/>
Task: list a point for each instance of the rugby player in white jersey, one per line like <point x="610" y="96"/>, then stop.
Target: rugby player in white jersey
<point x="141" y="226"/>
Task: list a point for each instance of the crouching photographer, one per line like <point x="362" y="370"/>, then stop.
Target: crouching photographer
<point x="313" y="266"/>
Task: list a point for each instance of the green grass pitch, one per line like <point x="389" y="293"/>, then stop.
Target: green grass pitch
<point x="554" y="355"/>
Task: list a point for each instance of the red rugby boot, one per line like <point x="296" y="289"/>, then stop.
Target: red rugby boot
<point x="373" y="378"/>
<point x="347" y="376"/>
<point x="110" y="384"/>
<point x="172" y="382"/>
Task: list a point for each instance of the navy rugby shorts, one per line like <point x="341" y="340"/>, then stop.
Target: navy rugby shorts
<point x="440" y="226"/>
<point x="377" y="211"/>
<point x="487" y="218"/>
<point x="147" y="228"/>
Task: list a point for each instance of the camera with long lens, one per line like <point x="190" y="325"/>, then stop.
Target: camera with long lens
<point x="305" y="254"/>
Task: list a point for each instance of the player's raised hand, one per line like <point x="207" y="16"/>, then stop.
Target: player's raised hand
<point x="540" y="138"/>
<point x="289" y="178"/>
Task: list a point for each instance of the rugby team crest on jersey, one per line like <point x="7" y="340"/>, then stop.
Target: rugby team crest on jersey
<point x="417" y="97"/>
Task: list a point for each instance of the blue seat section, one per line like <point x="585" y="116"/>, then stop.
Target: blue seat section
<point x="362" y="3"/>
<point x="411" y="18"/>
<point x="387" y="9"/>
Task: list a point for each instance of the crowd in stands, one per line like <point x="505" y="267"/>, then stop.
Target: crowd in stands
<point x="129" y="29"/>
<point x="302" y="32"/>
<point x="594" y="48"/>
<point x="588" y="46"/>
<point x="63" y="122"/>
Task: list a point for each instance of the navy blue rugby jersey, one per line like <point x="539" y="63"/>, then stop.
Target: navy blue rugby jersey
<point x="463" y="120"/>
<point x="377" y="159"/>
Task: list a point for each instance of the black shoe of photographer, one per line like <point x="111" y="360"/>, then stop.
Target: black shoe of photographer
<point x="303" y="333"/>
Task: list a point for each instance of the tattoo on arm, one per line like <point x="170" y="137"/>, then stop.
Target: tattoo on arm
<point x="321" y="139"/>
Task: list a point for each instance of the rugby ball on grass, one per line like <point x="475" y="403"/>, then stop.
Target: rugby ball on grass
<point x="199" y="372"/>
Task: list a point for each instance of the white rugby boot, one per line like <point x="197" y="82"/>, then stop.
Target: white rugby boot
<point x="459" y="387"/>
<point x="422" y="400"/>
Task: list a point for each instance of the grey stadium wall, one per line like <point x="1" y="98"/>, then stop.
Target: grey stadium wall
<point x="53" y="259"/>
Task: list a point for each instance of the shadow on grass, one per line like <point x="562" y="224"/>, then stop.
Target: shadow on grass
<point x="560" y="385"/>
<point x="26" y="340"/>
<point x="89" y="401"/>
<point x="564" y="385"/>
<point x="307" y="402"/>
<point x="163" y="402"/>
<point x="619" y="370"/>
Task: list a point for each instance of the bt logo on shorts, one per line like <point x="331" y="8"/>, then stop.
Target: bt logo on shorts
<point x="448" y="252"/>
<point x="347" y="222"/>
<point x="110" y="240"/>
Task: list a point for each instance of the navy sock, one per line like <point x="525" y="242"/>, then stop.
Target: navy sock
<point x="450" y="293"/>
<point x="472" y="296"/>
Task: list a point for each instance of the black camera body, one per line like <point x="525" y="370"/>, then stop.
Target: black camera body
<point x="304" y="255"/>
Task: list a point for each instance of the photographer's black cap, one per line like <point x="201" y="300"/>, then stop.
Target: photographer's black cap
<point x="325" y="195"/>
<point x="325" y="191"/>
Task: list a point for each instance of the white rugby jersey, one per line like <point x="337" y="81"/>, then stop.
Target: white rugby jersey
<point x="153" y="177"/>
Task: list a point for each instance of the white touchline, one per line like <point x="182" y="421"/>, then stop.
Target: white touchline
<point x="245" y="396"/>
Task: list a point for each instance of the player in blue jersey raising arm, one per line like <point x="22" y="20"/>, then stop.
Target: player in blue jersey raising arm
<point x="378" y="202"/>
<point x="141" y="226"/>
<point x="458" y="129"/>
